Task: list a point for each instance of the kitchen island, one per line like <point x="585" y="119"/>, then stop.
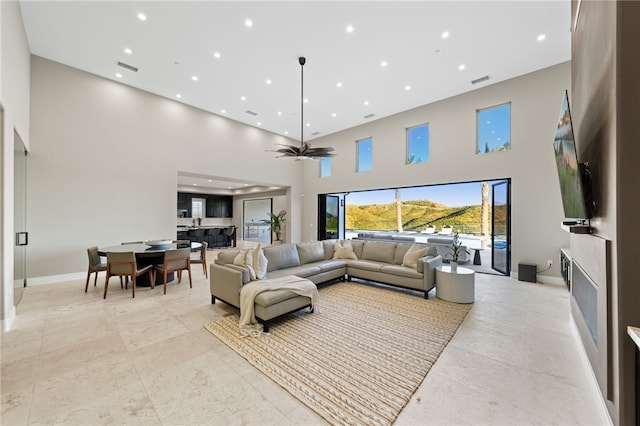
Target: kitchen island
<point x="214" y="236"/>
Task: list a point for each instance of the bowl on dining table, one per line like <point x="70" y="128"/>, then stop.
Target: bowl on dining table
<point x="158" y="243"/>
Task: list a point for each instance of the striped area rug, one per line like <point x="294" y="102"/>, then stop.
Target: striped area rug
<point x="359" y="358"/>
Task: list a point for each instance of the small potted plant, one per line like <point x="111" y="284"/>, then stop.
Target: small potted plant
<point x="275" y="222"/>
<point x="456" y="249"/>
<point x="199" y="221"/>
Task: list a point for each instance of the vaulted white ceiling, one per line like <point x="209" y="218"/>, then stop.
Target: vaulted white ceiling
<point x="396" y="56"/>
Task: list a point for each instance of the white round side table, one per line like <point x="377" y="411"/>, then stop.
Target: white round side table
<point x="457" y="287"/>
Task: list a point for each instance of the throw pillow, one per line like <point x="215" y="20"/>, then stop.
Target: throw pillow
<point x="260" y="262"/>
<point x="414" y="253"/>
<point x="344" y="250"/>
<point x="245" y="258"/>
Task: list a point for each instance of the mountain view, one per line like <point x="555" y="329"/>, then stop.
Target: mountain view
<point x="416" y="215"/>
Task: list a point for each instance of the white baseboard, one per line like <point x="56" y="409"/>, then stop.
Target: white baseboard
<point x="585" y="360"/>
<point x="52" y="279"/>
<point x="544" y="279"/>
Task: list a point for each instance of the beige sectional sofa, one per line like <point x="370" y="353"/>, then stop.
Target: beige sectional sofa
<point x="380" y="261"/>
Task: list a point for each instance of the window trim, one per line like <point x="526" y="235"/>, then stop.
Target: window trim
<point x="407" y="129"/>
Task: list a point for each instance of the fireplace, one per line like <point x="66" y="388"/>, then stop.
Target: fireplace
<point x="590" y="305"/>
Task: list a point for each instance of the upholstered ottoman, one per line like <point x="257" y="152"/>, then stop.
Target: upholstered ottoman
<point x="280" y="296"/>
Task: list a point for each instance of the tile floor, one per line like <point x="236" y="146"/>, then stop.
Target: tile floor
<point x="74" y="358"/>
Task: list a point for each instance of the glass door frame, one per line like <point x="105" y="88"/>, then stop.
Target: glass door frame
<point x="507" y="227"/>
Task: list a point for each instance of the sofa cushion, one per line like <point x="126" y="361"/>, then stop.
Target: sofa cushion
<point x="245" y="258"/>
<point x="281" y="256"/>
<point x="410" y="258"/>
<point x="260" y="262"/>
<point x="226" y="257"/>
<point x="367" y="265"/>
<point x="401" y="271"/>
<point x="330" y="265"/>
<point x="343" y="250"/>
<point x="378" y="251"/>
<point x="357" y="247"/>
<point x="440" y="240"/>
<point x="401" y="250"/>
<point x="310" y="252"/>
<point x="299" y="271"/>
<point x="328" y="246"/>
<point x="268" y="298"/>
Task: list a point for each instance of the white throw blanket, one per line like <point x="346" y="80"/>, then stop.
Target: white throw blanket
<point x="249" y="326"/>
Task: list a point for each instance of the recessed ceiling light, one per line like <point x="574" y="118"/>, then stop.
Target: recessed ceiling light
<point x="445" y="34"/>
<point x="194" y="78"/>
<point x="216" y="55"/>
<point x="461" y="67"/>
<point x="384" y="64"/>
<point x="259" y="123"/>
<point x="366" y="103"/>
<point x="306" y="101"/>
<point x="286" y="132"/>
<point x="268" y="81"/>
<point x="118" y="75"/>
<point x="349" y="28"/>
<point x="334" y="114"/>
<point x="541" y="37"/>
<point x="308" y="124"/>
<point x="195" y="184"/>
<point x="339" y="84"/>
<point x="246" y="184"/>
<point x="128" y="51"/>
<point x="224" y="111"/>
<point x="142" y="16"/>
<point x="210" y="181"/>
<point x="248" y="23"/>
<point x="279" y="112"/>
<point x="178" y="95"/>
<point x="407" y="87"/>
<point x="243" y="98"/>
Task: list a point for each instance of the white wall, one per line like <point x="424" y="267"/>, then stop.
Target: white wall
<point x="14" y="101"/>
<point x="104" y="160"/>
<point x="536" y="206"/>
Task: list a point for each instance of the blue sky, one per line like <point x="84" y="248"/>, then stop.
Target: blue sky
<point x="494" y="127"/>
<point x="452" y="195"/>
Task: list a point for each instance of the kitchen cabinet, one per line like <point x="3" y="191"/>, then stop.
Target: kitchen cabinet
<point x="219" y="206"/>
<point x="184" y="204"/>
<point x="215" y="205"/>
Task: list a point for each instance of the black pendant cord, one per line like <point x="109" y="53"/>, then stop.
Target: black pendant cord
<point x="302" y="61"/>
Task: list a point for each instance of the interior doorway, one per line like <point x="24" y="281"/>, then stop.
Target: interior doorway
<point x="19" y="217"/>
<point x="253" y="228"/>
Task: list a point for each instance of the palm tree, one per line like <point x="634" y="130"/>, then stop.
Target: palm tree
<point x="398" y="211"/>
<point x="275" y="222"/>
<point x="484" y="219"/>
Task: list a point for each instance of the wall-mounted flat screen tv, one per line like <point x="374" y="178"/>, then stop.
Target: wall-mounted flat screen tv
<point x="569" y="171"/>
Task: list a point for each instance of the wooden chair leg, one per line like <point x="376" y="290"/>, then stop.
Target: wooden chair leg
<point x="121" y="284"/>
<point x="179" y="277"/>
<point x="86" y="286"/>
<point x="190" y="284"/>
<point x="106" y="286"/>
<point x="165" y="281"/>
<point x="204" y="269"/>
<point x="133" y="286"/>
<point x="152" y="277"/>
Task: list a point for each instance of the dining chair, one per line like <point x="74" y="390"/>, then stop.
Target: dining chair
<point x="202" y="258"/>
<point x="95" y="265"/>
<point x="176" y="260"/>
<point x="124" y="265"/>
<point x="182" y="243"/>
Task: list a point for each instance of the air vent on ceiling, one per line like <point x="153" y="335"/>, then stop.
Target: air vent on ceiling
<point x="369" y="115"/>
<point x="251" y="112"/>
<point x="127" y="66"/>
<point x="315" y="133"/>
<point x="480" y="80"/>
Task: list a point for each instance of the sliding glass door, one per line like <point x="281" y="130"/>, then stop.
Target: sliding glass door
<point x="328" y="217"/>
<point x="19" y="218"/>
<point x="255" y="211"/>
<point x="501" y="227"/>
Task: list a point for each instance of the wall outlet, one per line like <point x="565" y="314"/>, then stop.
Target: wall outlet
<point x="549" y="263"/>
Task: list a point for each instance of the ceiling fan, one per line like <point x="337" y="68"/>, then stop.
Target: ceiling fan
<point x="304" y="151"/>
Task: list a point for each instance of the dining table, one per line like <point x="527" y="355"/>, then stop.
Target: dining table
<point x="148" y="255"/>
